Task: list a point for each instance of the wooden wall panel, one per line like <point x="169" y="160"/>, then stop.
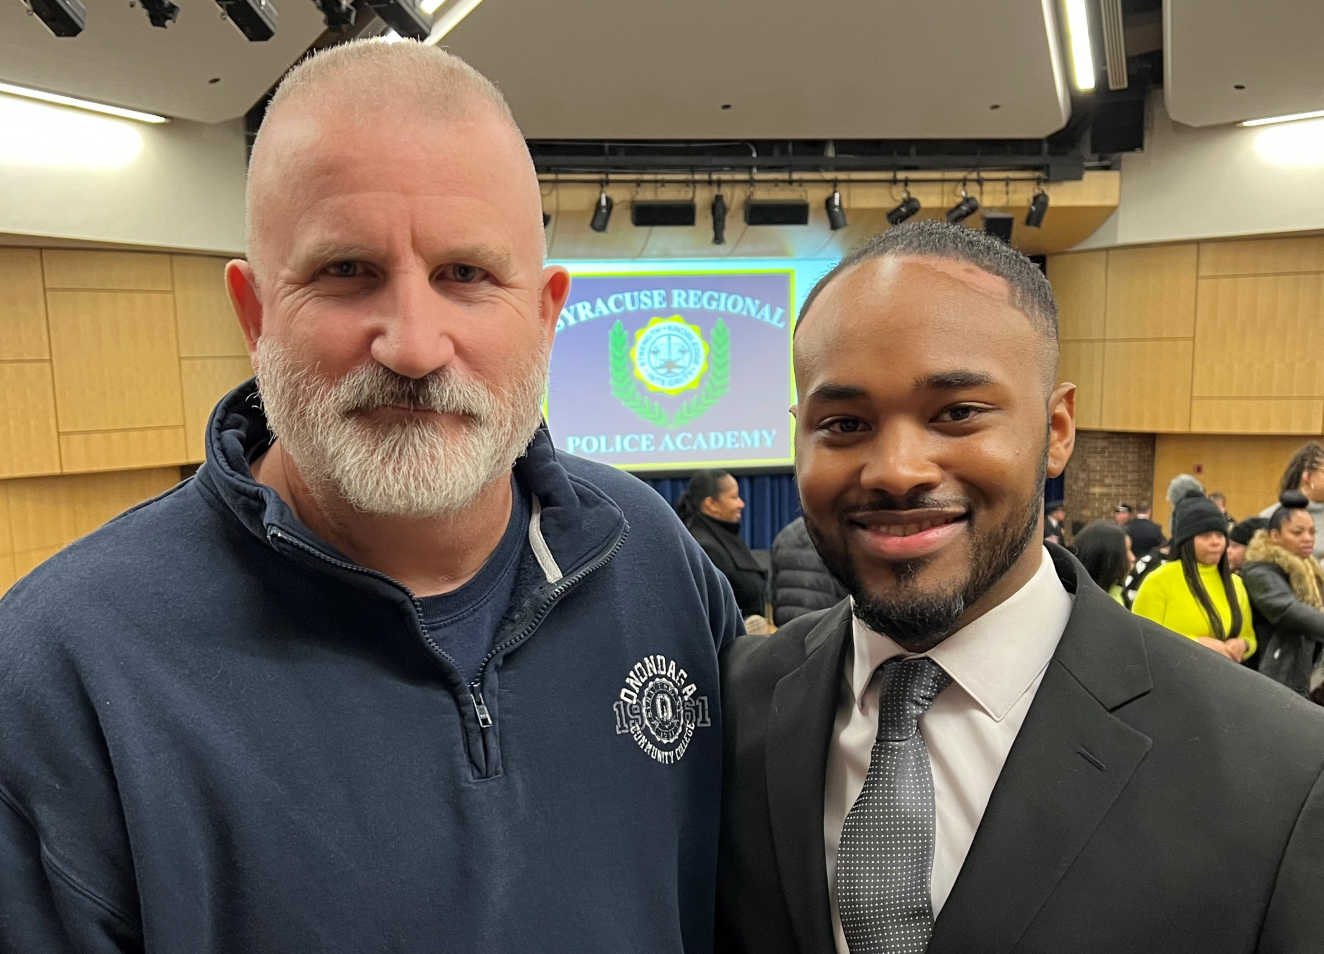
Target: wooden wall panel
<point x="91" y="451"/>
<point x="1260" y="337"/>
<point x="1151" y="292"/>
<point x="130" y="271"/>
<point x="1080" y="283"/>
<point x="116" y="360"/>
<point x="1082" y="365"/>
<point x="22" y="306"/>
<point x="1262" y="256"/>
<point x="28" y="442"/>
<point x="1146" y="386"/>
<point x="1245" y="469"/>
<point x="48" y="513"/>
<point x="207" y="324"/>
<point x="206" y="381"/>
<point x="6" y="534"/>
<point x="1257" y="415"/>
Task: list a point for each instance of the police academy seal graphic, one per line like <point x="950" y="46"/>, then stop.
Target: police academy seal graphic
<point x="660" y="708"/>
<point x="669" y="356"/>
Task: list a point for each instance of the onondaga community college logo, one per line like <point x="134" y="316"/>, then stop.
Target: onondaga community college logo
<point x="670" y="357"/>
<point x="660" y="708"/>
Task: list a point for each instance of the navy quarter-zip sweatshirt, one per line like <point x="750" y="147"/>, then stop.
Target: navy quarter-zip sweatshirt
<point x="218" y="735"/>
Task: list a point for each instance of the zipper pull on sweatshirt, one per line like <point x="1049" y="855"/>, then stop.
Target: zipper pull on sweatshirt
<point x="480" y="710"/>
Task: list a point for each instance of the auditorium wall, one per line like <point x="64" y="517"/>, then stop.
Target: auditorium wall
<point x="1216" y="347"/>
<point x="110" y="363"/>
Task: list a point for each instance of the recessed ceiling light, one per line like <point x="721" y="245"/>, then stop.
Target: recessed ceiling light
<point x="59" y="100"/>
<point x="1290" y="118"/>
<point x="1082" y="55"/>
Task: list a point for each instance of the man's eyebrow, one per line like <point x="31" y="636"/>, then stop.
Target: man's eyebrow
<point x="954" y="380"/>
<point x="836" y="392"/>
<point x="490" y="257"/>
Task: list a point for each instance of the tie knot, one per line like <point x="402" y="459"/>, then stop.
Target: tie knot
<point x="908" y="688"/>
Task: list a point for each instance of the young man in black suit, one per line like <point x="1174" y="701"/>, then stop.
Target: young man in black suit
<point x="981" y="752"/>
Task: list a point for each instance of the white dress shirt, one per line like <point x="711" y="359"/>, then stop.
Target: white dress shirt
<point x="996" y="664"/>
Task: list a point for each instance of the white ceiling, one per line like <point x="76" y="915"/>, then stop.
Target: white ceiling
<point x="121" y="59"/>
<point x="833" y="69"/>
<point x="621" y="69"/>
<point x="1274" y="48"/>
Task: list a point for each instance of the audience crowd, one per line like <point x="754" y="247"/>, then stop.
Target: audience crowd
<point x="1251" y="590"/>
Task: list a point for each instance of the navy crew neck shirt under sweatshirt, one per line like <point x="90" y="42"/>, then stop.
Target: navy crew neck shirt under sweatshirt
<point x="464" y="621"/>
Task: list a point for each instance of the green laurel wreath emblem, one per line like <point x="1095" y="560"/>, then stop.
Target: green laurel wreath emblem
<point x="625" y="390"/>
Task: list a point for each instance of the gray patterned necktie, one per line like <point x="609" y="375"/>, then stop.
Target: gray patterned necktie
<point x="885" y="857"/>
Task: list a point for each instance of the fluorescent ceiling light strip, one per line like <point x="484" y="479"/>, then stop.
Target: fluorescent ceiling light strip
<point x="456" y="10"/>
<point x="1082" y="56"/>
<point x="1293" y="117"/>
<point x="59" y="100"/>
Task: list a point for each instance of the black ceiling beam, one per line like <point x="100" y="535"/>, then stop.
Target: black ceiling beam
<point x="1055" y="168"/>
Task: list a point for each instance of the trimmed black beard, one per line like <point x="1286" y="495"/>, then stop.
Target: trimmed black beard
<point x="920" y="621"/>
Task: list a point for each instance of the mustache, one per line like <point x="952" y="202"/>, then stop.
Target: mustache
<point x="443" y="391"/>
<point x="915" y="501"/>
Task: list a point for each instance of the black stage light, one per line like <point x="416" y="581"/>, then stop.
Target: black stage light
<point x="336" y="14"/>
<point x="776" y="212"/>
<point x="908" y="208"/>
<point x="835" y="213"/>
<point x="647" y="213"/>
<point x="404" y="17"/>
<point x="161" y="13"/>
<point x="61" y="17"/>
<point x="999" y="224"/>
<point x="719" y="219"/>
<point x="546" y="220"/>
<point x="255" y="19"/>
<point x="1034" y="218"/>
<point x="601" y="212"/>
<point x="967" y="207"/>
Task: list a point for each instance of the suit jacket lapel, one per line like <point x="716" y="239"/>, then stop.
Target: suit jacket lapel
<point x="1069" y="763"/>
<point x="804" y="707"/>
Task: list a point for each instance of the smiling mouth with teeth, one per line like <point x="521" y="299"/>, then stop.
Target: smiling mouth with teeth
<point x="910" y="529"/>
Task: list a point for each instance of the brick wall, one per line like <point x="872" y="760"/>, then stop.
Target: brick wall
<point x="1105" y="468"/>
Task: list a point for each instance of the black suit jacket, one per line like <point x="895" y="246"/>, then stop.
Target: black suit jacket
<point x="1156" y="799"/>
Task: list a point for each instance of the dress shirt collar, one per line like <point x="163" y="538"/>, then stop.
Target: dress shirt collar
<point x="995" y="659"/>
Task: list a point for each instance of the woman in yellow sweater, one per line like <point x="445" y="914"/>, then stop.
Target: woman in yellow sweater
<point x="1194" y="593"/>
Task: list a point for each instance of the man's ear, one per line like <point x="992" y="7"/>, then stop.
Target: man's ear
<point x="1061" y="428"/>
<point x="555" y="291"/>
<point x="242" y="287"/>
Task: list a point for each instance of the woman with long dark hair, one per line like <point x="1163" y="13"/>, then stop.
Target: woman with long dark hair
<point x="1305" y="474"/>
<point x="710" y="508"/>
<point x="1104" y="549"/>
<point x="1195" y="593"/>
<point x="1286" y="587"/>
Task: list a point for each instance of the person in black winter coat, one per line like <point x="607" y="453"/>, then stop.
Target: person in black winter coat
<point x="710" y="508"/>
<point x="800" y="582"/>
<point x="1286" y="588"/>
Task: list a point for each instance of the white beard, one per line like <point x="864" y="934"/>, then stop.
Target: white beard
<point x="406" y="469"/>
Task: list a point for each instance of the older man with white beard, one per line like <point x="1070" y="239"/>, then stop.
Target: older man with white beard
<point x="390" y="674"/>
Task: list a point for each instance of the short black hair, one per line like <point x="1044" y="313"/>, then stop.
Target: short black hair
<point x="1030" y="291"/>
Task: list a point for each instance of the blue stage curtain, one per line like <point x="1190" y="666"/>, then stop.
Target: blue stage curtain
<point x="771" y="502"/>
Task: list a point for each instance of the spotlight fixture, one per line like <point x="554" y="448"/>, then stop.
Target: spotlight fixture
<point x="1034" y="217"/>
<point x="255" y="19"/>
<point x="719" y="219"/>
<point x="61" y="17"/>
<point x="336" y="14"/>
<point x="835" y="213"/>
<point x="907" y="208"/>
<point x="546" y="220"/>
<point x="161" y="13"/>
<point x="404" y="17"/>
<point x="967" y="207"/>
<point x="601" y="212"/>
